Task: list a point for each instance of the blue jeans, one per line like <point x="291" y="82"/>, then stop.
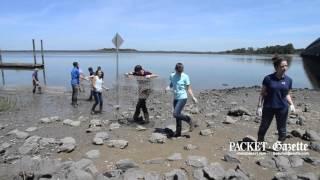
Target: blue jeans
<point x="98" y="100"/>
<point x="178" y="105"/>
<point x="281" y="118"/>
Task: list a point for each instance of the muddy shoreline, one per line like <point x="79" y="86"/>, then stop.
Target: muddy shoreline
<point x="22" y="110"/>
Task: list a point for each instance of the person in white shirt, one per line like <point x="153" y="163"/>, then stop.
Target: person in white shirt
<point x="97" y="84"/>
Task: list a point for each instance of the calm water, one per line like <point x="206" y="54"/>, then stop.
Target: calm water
<point x="206" y="71"/>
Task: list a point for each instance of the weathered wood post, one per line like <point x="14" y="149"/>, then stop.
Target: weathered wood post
<point x="34" y="52"/>
<point x="42" y="54"/>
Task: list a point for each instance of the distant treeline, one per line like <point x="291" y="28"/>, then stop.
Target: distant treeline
<point x="277" y="49"/>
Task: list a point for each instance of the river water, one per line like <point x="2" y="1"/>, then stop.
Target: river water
<point x="206" y="71"/>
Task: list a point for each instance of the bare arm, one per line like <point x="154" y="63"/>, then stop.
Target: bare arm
<point x="190" y="91"/>
<point x="94" y="82"/>
<point x="262" y="94"/>
<point x="289" y="99"/>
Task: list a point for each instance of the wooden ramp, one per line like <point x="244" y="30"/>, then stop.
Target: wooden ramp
<point x="20" y="66"/>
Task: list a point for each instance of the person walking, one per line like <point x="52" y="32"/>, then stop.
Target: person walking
<point x="97" y="84"/>
<point x="90" y="78"/>
<point x="35" y="81"/>
<point x="99" y="69"/>
<point x="275" y="100"/>
<point x="180" y="84"/>
<point x="144" y="90"/>
<point x="75" y="81"/>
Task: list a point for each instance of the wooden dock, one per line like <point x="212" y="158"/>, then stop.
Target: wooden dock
<point x="20" y="66"/>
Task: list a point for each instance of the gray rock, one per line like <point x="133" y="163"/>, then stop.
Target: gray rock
<point x="141" y="128"/>
<point x="239" y="111"/>
<point x="93" y="129"/>
<point x="241" y="174"/>
<point x="296" y="161"/>
<point x="175" y="157"/>
<point x="36" y="167"/>
<point x="297" y="132"/>
<point x="70" y="122"/>
<point x="93" y="154"/>
<point x="95" y="122"/>
<point x="189" y="147"/>
<point x="46" y="120"/>
<point x="47" y="141"/>
<point x="154" y="161"/>
<point x="231" y="157"/>
<point x="206" y="132"/>
<point x="211" y="124"/>
<point x="78" y="174"/>
<point x="311" y="135"/>
<point x="292" y="121"/>
<point x="55" y="118"/>
<point x="68" y="144"/>
<point x="282" y="163"/>
<point x="18" y="134"/>
<point x="245" y="118"/>
<point x="98" y="141"/>
<point x="307" y="108"/>
<point x="30" y="146"/>
<point x="249" y="138"/>
<point x="153" y="176"/>
<point x="301" y="120"/>
<point x="312" y="160"/>
<point x="2" y="126"/>
<point x="176" y="174"/>
<point x="197" y="174"/>
<point x="101" y="177"/>
<point x="132" y="174"/>
<point x="229" y="120"/>
<point x="82" y="164"/>
<point x="194" y="110"/>
<point x="100" y="137"/>
<point x="126" y="164"/>
<point x="5" y="145"/>
<point x="214" y="171"/>
<point x="315" y="146"/>
<point x="157" y="138"/>
<point x="267" y="162"/>
<point x="117" y="143"/>
<point x="114" y="126"/>
<point x="31" y="129"/>
<point x="114" y="174"/>
<point x="285" y="176"/>
<point x="197" y="161"/>
<point x="307" y="176"/>
<point x="211" y="115"/>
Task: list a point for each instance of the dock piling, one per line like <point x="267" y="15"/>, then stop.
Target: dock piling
<point x="34" y="52"/>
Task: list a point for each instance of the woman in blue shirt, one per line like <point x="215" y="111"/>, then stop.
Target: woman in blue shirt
<point x="180" y="83"/>
<point x="275" y="100"/>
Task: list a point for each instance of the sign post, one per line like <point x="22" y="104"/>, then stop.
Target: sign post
<point x="117" y="41"/>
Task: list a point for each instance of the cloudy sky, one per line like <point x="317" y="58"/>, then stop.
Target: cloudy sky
<point x="199" y="25"/>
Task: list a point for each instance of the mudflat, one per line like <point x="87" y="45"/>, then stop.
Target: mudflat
<point x="34" y="128"/>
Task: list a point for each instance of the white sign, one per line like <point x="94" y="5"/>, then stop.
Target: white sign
<point x="117" y="40"/>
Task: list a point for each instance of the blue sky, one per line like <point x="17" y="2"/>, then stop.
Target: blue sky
<point x="200" y="25"/>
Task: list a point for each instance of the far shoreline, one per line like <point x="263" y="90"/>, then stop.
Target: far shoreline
<point x="144" y="52"/>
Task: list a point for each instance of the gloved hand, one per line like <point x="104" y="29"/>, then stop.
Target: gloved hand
<point x="292" y="109"/>
<point x="259" y="111"/>
<point x="195" y="100"/>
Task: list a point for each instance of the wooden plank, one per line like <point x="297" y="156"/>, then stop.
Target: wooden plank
<point x="21" y="65"/>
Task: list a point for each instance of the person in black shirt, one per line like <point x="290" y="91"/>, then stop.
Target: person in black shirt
<point x="144" y="90"/>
